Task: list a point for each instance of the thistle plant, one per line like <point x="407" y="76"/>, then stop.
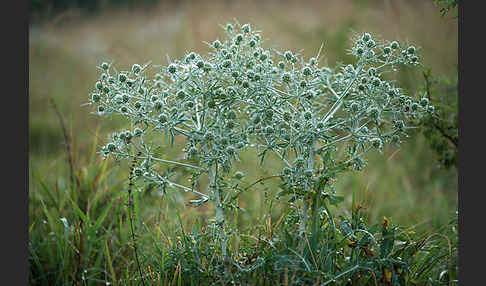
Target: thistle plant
<point x="318" y="121"/>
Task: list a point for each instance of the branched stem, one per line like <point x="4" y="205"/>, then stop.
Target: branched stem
<point x="169" y="162"/>
<point x="335" y="107"/>
<point x="261" y="180"/>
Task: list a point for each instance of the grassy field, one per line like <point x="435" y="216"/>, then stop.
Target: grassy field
<point x="406" y="185"/>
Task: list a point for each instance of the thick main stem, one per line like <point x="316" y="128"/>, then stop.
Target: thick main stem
<point x="303" y="222"/>
<point x="305" y="206"/>
<point x="219" y="208"/>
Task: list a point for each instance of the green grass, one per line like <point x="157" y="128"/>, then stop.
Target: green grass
<point x="82" y="234"/>
<point x="93" y="241"/>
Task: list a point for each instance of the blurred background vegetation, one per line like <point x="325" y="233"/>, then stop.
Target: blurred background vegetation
<point x="68" y="39"/>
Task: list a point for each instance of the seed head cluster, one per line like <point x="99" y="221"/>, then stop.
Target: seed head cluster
<point x="244" y="95"/>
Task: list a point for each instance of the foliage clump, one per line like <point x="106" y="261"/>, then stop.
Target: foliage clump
<point x="446" y="6"/>
<point x="441" y="126"/>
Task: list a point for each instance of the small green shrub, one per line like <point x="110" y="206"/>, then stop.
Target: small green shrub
<point x="446" y="6"/>
<point x="441" y="127"/>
